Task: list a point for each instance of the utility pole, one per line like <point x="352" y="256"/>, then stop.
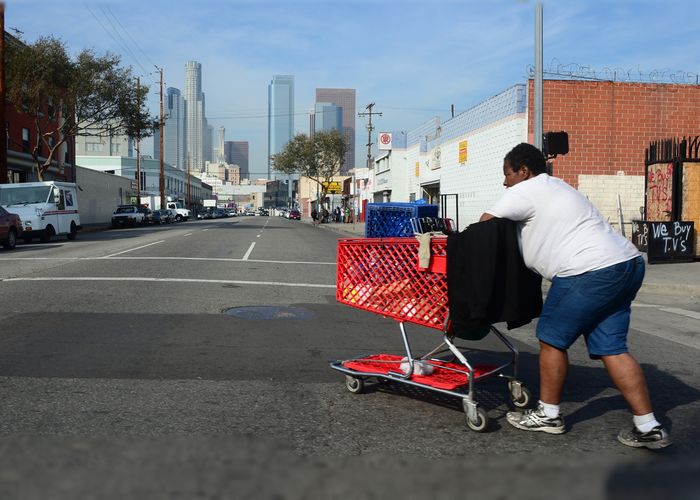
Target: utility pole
<point x="138" y="148"/>
<point x="538" y="127"/>
<point x="3" y="129"/>
<point x="369" y="113"/>
<point x="162" y="167"/>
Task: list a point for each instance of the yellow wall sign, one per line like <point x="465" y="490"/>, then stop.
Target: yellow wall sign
<point x="417" y="169"/>
<point x="462" y="151"/>
<point x="333" y="187"/>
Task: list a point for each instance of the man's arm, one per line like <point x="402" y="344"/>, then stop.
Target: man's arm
<point x="486" y="216"/>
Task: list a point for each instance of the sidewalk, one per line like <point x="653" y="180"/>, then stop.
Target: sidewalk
<point x="681" y="278"/>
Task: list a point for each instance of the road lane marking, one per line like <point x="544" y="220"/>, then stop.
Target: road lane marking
<point x="247" y="254"/>
<point x="187" y="234"/>
<point x="171" y="280"/>
<point x="205" y="230"/>
<point x="213" y="259"/>
<point x="681" y="312"/>
<point x="132" y="249"/>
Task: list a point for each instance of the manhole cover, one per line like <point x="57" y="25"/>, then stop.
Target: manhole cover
<point x="269" y="312"/>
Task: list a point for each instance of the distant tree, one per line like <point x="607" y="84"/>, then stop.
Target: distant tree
<point x="320" y="157"/>
<point x="67" y="97"/>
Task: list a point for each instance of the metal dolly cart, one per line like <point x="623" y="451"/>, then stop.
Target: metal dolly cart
<point x="382" y="275"/>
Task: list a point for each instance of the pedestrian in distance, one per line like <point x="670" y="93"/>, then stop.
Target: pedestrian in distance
<point x="595" y="274"/>
<point x="314" y="216"/>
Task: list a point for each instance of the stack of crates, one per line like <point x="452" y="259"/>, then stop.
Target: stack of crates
<point x="393" y="220"/>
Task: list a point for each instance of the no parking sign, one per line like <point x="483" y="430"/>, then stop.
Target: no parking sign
<point x="384" y="140"/>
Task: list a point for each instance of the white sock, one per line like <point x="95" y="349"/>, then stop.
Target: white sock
<point x="645" y="423"/>
<point x="551" y="411"/>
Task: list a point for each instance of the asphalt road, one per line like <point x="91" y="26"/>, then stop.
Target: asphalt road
<point x="134" y="363"/>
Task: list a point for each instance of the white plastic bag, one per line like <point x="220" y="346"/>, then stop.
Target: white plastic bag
<point x="418" y="367"/>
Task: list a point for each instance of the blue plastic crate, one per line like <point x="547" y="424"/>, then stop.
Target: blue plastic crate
<point x="393" y="220"/>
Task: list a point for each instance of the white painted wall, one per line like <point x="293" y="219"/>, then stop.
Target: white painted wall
<point x="602" y="190"/>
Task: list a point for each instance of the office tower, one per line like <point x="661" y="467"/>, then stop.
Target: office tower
<point x="174" y="131"/>
<point x="209" y="142"/>
<point x="194" y="108"/>
<point x="236" y="153"/>
<point x="345" y="98"/>
<point x="327" y="117"/>
<point x="280" y="118"/>
<point x="220" y="153"/>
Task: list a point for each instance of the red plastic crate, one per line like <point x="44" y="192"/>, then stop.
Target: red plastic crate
<point x="381" y="275"/>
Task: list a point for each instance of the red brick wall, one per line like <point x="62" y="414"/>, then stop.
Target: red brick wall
<point x="610" y="124"/>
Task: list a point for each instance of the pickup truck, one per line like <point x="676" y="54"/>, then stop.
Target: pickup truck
<point x="127" y="215"/>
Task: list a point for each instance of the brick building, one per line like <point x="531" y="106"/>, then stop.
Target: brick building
<point x="21" y="138"/>
<point x="610" y="124"/>
<point x="458" y="162"/>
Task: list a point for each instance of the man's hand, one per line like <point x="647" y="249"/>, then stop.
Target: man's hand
<point x="485" y="217"/>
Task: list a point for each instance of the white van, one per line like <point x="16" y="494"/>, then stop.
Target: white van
<point x="46" y="208"/>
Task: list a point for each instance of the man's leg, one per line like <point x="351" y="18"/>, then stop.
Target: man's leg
<point x="628" y="377"/>
<point x="554" y="366"/>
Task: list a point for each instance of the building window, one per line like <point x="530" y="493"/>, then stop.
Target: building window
<point x="117" y="148"/>
<point x="51" y="141"/>
<point x="94" y="146"/>
<point x="25" y="140"/>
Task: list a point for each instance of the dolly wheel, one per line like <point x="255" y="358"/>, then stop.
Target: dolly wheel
<point x="354" y="385"/>
<point x="521" y="400"/>
<point x="482" y="421"/>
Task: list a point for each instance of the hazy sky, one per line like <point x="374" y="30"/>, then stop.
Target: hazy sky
<point x="414" y="59"/>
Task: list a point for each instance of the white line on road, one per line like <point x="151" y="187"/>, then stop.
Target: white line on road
<point x="213" y="259"/>
<point x="681" y="312"/>
<point x="132" y="249"/>
<point x="187" y="234"/>
<point x="172" y="280"/>
<point x="247" y="254"/>
<point x="257" y="236"/>
<point x="205" y="230"/>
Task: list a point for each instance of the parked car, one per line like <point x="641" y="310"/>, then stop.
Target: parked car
<point x="126" y="215"/>
<point x="147" y="215"/>
<point x="295" y="214"/>
<point x="10" y="229"/>
<point x="163" y="216"/>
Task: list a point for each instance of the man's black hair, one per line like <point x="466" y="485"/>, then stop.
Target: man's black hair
<point x="528" y="155"/>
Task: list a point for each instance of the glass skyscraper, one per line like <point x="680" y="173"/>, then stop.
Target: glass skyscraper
<point x="327" y="117"/>
<point x="195" y="123"/>
<point x="280" y="119"/>
<point x="174" y="131"/>
<point x="344" y="98"/>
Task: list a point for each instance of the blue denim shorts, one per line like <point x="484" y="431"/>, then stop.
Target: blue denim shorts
<point x="596" y="305"/>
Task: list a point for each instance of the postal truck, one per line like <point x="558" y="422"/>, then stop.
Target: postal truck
<point x="46" y="208"/>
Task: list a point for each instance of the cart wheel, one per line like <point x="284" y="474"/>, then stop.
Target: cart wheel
<point x="523" y="399"/>
<point x="482" y="421"/>
<point x="354" y="385"/>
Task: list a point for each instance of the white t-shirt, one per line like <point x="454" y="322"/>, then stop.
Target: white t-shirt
<point x="561" y="232"/>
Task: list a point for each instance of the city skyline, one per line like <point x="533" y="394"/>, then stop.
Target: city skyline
<point x="414" y="61"/>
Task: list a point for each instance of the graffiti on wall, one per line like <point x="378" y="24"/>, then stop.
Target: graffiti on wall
<point x="659" y="189"/>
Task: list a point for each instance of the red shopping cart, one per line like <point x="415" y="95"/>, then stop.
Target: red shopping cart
<point x="383" y="276"/>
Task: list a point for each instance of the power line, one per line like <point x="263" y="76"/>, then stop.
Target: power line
<point x="129" y="35"/>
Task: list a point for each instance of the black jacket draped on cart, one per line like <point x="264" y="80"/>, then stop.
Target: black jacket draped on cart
<point x="487" y="281"/>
